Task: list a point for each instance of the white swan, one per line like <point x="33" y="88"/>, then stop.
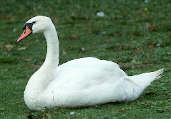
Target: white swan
<point x="80" y="82"/>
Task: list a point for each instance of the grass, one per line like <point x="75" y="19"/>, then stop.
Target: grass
<point x="134" y="34"/>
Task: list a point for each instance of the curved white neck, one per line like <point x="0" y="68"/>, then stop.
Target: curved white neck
<point x="52" y="56"/>
<point x="41" y="78"/>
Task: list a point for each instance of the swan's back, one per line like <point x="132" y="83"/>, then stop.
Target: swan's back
<point x="89" y="64"/>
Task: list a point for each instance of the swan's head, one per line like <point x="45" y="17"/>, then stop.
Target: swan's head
<point x="35" y="25"/>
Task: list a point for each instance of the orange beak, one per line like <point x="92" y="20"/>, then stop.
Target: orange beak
<point x="26" y="33"/>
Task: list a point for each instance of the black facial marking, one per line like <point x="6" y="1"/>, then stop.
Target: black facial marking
<point x="33" y="22"/>
<point x="29" y="25"/>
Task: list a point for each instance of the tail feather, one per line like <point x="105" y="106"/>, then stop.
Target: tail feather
<point x="145" y="79"/>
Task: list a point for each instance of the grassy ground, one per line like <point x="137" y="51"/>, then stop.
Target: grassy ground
<point x="134" y="34"/>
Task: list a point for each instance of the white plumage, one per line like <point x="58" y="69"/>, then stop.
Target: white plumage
<point x="80" y="82"/>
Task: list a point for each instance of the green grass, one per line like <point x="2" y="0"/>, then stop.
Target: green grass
<point x="138" y="39"/>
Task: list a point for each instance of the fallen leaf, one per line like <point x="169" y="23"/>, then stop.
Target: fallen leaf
<point x="89" y="25"/>
<point x="9" y="47"/>
<point x="151" y="46"/>
<point x="123" y="111"/>
<point x="117" y="34"/>
<point x="147" y="106"/>
<point x="89" y="32"/>
<point x="149" y="93"/>
<point x="1" y="47"/>
<point x="35" y="67"/>
<point x="94" y="43"/>
<point x="170" y="34"/>
<point x="152" y="28"/>
<point x="27" y="60"/>
<point x="74" y="37"/>
<point x="22" y="48"/>
<point x="11" y="19"/>
<point x="19" y="102"/>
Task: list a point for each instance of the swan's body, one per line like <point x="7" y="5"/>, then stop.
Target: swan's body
<point x="80" y="82"/>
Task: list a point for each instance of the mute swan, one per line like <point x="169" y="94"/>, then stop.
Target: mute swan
<point x="80" y="82"/>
